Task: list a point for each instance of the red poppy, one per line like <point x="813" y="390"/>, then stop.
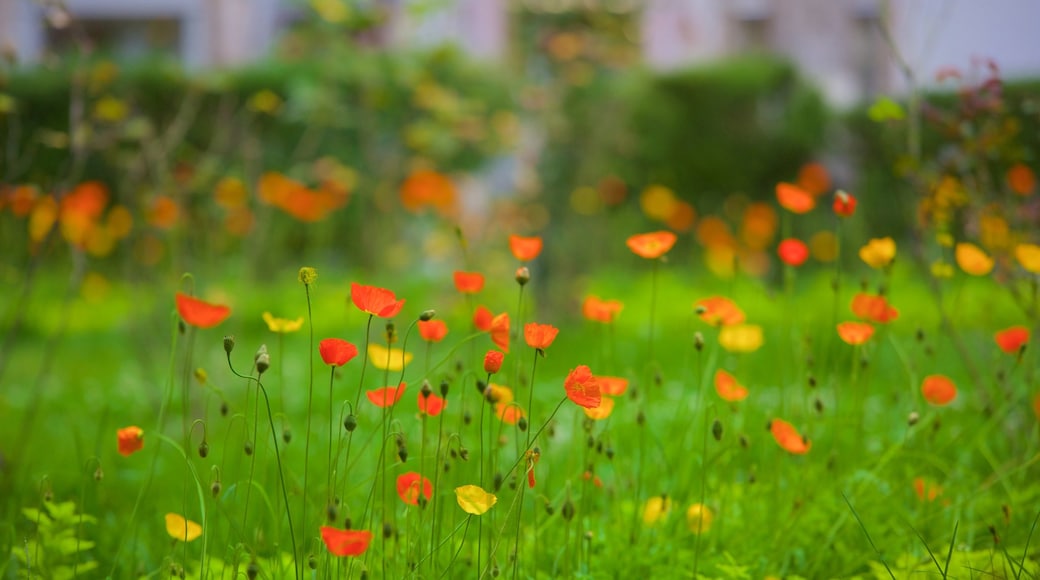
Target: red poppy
<point x="874" y="308"/>
<point x="844" y="204"/>
<point x="926" y="490"/>
<point x="938" y="390"/>
<point x="719" y="311"/>
<point x="540" y="336"/>
<point x="493" y="361"/>
<point x="1011" y="340"/>
<point x="375" y="301"/>
<point x="727" y="386"/>
<point x="482" y="319"/>
<point x="508" y="413"/>
<point x="130" y="440"/>
<point x="408" y="487"/>
<point x="788" y="438"/>
<point x="336" y="352"/>
<point x="597" y="310"/>
<point x="431" y="404"/>
<point x="794" y="199"/>
<point x="433" y="330"/>
<point x="386" y="396"/>
<point x="525" y="249"/>
<point x="613" y="386"/>
<point x="855" y="333"/>
<point x="469" y="282"/>
<point x="793" y="252"/>
<point x="500" y="331"/>
<point x="200" y="314"/>
<point x="652" y="245"/>
<point x="345" y="542"/>
<point x="582" y="387"/>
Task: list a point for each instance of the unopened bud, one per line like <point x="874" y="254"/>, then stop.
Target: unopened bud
<point x="350" y="422"/>
<point x="203" y="449"/>
<point x="444" y="388"/>
<point x="253" y="570"/>
<point x="287" y="435"/>
<point x="307" y="275"/>
<point x="248" y="448"/>
<point x="464" y="453"/>
<point x="698" y="341"/>
<point x="427" y="315"/>
<point x="567" y="511"/>
<point x="523" y="275"/>
<point x="98" y="474"/>
<point x="716" y="430"/>
<point x="260" y="351"/>
<point x="521" y="424"/>
<point x="214" y="488"/>
<point x="331" y="512"/>
<point x="312" y="562"/>
<point x="913" y="418"/>
<point x="426" y="390"/>
<point x="229" y="343"/>
<point x="263" y="362"/>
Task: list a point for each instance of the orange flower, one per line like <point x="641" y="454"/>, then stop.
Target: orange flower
<point x="408" y="485"/>
<point x="1021" y="179"/>
<point x="386" y="396"/>
<point x="727" y="386"/>
<point x="597" y="310"/>
<point x="794" y="199"/>
<point x="855" y="333"/>
<point x="433" y="330"/>
<point x="814" y="178"/>
<point x="130" y="440"/>
<point x="525" y="249"/>
<point x="431" y="404"/>
<point x="1011" y="340"/>
<point x="508" y="413"/>
<point x="613" y="386"/>
<point x="926" y="490"/>
<point x="345" y="542"/>
<point x="500" y="331"/>
<point x="879" y="252"/>
<point x="605" y="408"/>
<point x="972" y="259"/>
<point x="469" y="282"/>
<point x="425" y="188"/>
<point x="788" y="438"/>
<point x="493" y="361"/>
<point x="482" y="318"/>
<point x="336" y="352"/>
<point x="938" y="390"/>
<point x="540" y="336"/>
<point x="163" y="213"/>
<point x="375" y="301"/>
<point x="652" y="245"/>
<point x="793" y="252"/>
<point x="582" y="387"/>
<point x="198" y="313"/>
<point x="719" y="311"/>
<point x="874" y="308"/>
<point x="844" y="204"/>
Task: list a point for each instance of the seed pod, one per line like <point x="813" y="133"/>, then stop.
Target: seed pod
<point x="567" y="512"/>
<point x="716" y="429"/>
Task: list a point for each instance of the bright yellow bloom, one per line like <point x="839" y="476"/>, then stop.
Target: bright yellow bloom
<point x="388" y="359"/>
<point x="1028" y="256"/>
<point x="741" y="337"/>
<point x="282" y="325"/>
<point x="699" y="518"/>
<point x="972" y="259"/>
<point x="879" y="252"/>
<point x="656" y="509"/>
<point x="182" y="529"/>
<point x="474" y="500"/>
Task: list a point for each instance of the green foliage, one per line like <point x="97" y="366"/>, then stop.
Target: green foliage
<point x="963" y="564"/>
<point x="57" y="550"/>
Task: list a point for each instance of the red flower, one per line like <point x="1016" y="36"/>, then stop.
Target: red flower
<point x="652" y="245"/>
<point x="500" y="331"/>
<point x="408" y="487"/>
<point x="469" y="282"/>
<point x="582" y="387"/>
<point x="131" y="440"/>
<point x="540" y="336"/>
<point x="375" y="301"/>
<point x="482" y="319"/>
<point x="386" y="396"/>
<point x="345" y="542"/>
<point x="787" y="437"/>
<point x="508" y="413"/>
<point x="855" y="333"/>
<point x="433" y="330"/>
<point x="793" y="252"/>
<point x="525" y="249"/>
<point x="727" y="386"/>
<point x="874" y="308"/>
<point x="844" y="204"/>
<point x="613" y="386"/>
<point x="431" y="404"/>
<point x="938" y="390"/>
<point x="719" y="311"/>
<point x="493" y="361"/>
<point x="794" y="199"/>
<point x="926" y="490"/>
<point x="597" y="310"/>
<point x="336" y="352"/>
<point x="200" y="314"/>
<point x="1011" y="340"/>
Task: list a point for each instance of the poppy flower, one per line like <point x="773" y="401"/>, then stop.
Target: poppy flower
<point x="874" y="308"/>
<point x="386" y="396"/>
<point x="855" y="333"/>
<point x="500" y="331"/>
<point x="613" y="386"/>
<point x="651" y="245"/>
<point x="336" y="352"/>
<point x="926" y="490"/>
<point x="605" y="408"/>
<point x="597" y="310"/>
<point x="1028" y="256"/>
<point x="972" y="259"/>
<point x="655" y="509"/>
<point x="879" y="252"/>
<point x="788" y="438"/>
<point x="741" y="338"/>
<point x="431" y="404"/>
<point x="468" y="282"/>
<point x="282" y="325"/>
<point x="532" y="456"/>
<point x="719" y="311"/>
<point x="1011" y="340"/>
<point x="199" y="313"/>
<point x="596" y="481"/>
<point x="375" y="301"/>
<point x="408" y="487"/>
<point x="1021" y="179"/>
<point x="508" y="413"/>
<point x="727" y="386"/>
<point x="699" y="518"/>
<point x="793" y="252"/>
<point x="482" y="318"/>
<point x="426" y="188"/>
<point x="493" y="361"/>
<point x="582" y="387"/>
<point x="474" y="500"/>
<point x="345" y="542"/>
<point x="794" y="199"/>
<point x="844" y="204"/>
<point x="525" y="249"/>
<point x="814" y="178"/>
<point x="433" y="330"/>
<point x="388" y="359"/>
<point x="540" y="336"/>
<point x="130" y="440"/>
<point x="938" y="390"/>
<point x="498" y="394"/>
<point x="181" y="529"/>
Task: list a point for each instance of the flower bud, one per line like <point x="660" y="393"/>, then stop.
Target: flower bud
<point x="493" y="361"/>
<point x="427" y="315"/>
<point x="523" y="275"/>
<point x="98" y="474"/>
<point x="287" y="435"/>
<point x="913" y="418"/>
<point x="263" y="362"/>
<point x="716" y="429"/>
<point x="229" y="343"/>
<point x="426" y="390"/>
<point x="698" y="341"/>
<point x="350" y="422"/>
<point x="567" y="511"/>
<point x="201" y="376"/>
<point x="214" y="488"/>
<point x="444" y="388"/>
<point x="307" y="275"/>
<point x="203" y="449"/>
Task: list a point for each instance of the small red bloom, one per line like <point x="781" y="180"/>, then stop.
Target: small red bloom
<point x="855" y="333"/>
<point x="469" y="282"/>
<point x="926" y="490"/>
<point x="386" y="396"/>
<point x="613" y="386"/>
<point x="652" y="245"/>
<point x="1011" y="340"/>
<point x="482" y="319"/>
<point x="375" y="301"/>
<point x="500" y="331"/>
<point x="345" y="542"/>
<point x="532" y="459"/>
<point x="793" y="252"/>
<point x="844" y="204"/>
<point x="597" y="310"/>
<point x="794" y="199"/>
<point x="130" y="439"/>
<point x="727" y="386"/>
<point x="788" y="438"/>
<point x="433" y="330"/>
<point x="525" y="249"/>
<point x="431" y="404"/>
<point x="493" y="361"/>
<point x="408" y="487"/>
<point x="874" y="308"/>
<point x="540" y="336"/>
<point x="336" y="352"/>
<point x="938" y="390"/>
<point x="582" y="387"/>
<point x="199" y="313"/>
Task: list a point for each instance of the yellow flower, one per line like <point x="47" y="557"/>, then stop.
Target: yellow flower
<point x="388" y="359"/>
<point x="741" y="337"/>
<point x="699" y="518"/>
<point x="474" y="500"/>
<point x="879" y="252"/>
<point x="1028" y="256"/>
<point x="182" y="529"/>
<point x="282" y="325"/>
<point x="656" y="508"/>
<point x="972" y="259"/>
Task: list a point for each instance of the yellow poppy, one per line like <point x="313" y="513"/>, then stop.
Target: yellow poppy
<point x="972" y="259"/>
<point x="388" y="359"/>
<point x="182" y="529"/>
<point x="282" y="325"/>
<point x="741" y="337"/>
<point x="879" y="252"/>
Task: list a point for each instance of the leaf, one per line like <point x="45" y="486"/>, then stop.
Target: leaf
<point x="474" y="500"/>
<point x="69" y="546"/>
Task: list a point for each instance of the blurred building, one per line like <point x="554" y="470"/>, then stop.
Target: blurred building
<point x="838" y="43"/>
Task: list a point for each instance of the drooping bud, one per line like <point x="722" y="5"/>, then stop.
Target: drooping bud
<point x="523" y="275"/>
<point x="263" y="362"/>
<point x="98" y="474"/>
<point x="229" y="343"/>
<point x="427" y="315"/>
<point x="203" y="449"/>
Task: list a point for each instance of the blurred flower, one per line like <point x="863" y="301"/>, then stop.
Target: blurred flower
<point x="199" y="313"/>
<point x="658" y="202"/>
<point x="682" y="218"/>
<point x="345" y="542"/>
<point x="482" y="319"/>
<point x="814" y="178"/>
<point x="844" y="204"/>
<point x="582" y="387"/>
<point x="130" y="440"/>
<point x="540" y="336"/>
<point x="433" y="330"/>
<point x="788" y="438"/>
<point x="794" y="199"/>
<point x="474" y="500"/>
<point x="605" y="408"/>
<point x="741" y="338"/>
<point x="699" y="518"/>
<point x="941" y="269"/>
<point x="525" y="249"/>
<point x="230" y="193"/>
<point x="652" y="245"/>
<point x="508" y="413"/>
<point x="926" y="490"/>
<point x="500" y="331"/>
<point x="388" y="359"/>
<point x="938" y="390"/>
<point x="824" y="246"/>
<point x="855" y="333"/>
<point x="1028" y="256"/>
<point x="793" y="252"/>
<point x="282" y="325"/>
<point x="493" y="361"/>
<point x="613" y="386"/>
<point x="719" y="311"/>
<point x="1021" y="179"/>
<point x="597" y="310"/>
<point x="264" y="101"/>
<point x="468" y="282"/>
<point x="163" y="213"/>
<point x="431" y="404"/>
<point x="1011" y="340"/>
<point x="425" y="188"/>
<point x="728" y="388"/>
<point x="972" y="259"/>
<point x="181" y="529"/>
<point x="758" y="227"/>
<point x="874" y="308"/>
<point x="336" y="351"/>
<point x="879" y="252"/>
<point x="408" y="487"/>
<point x="655" y="509"/>
<point x="375" y="301"/>
<point x="386" y="396"/>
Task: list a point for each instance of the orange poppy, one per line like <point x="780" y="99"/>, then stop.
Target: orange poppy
<point x="345" y="542"/>
<point x="164" y="212"/>
<point x="22" y="199"/>
<point x="408" y="487"/>
<point x="727" y="386"/>
<point x="972" y="259"/>
<point x="793" y="252"/>
<point x="493" y="361"/>
<point x="651" y="245"/>
<point x="613" y="386"/>
<point x="469" y="282"/>
<point x="855" y="333"/>
<point x="794" y="199"/>
<point x="525" y="249"/>
<point x="605" y="408"/>
<point x="788" y="438"/>
<point x="508" y="413"/>
<point x="540" y="336"/>
<point x="500" y="331"/>
<point x="582" y="387"/>
<point x="431" y="404"/>
<point x="1021" y="179"/>
<point x="814" y="178"/>
<point x="336" y="352"/>
<point x="130" y="440"/>
<point x="482" y="318"/>
<point x="1011" y="340"/>
<point x="433" y="330"/>
<point x="375" y="301"/>
<point x="386" y="396"/>
<point x="597" y="310"/>
<point x="874" y="308"/>
<point x="682" y="218"/>
<point x="719" y="311"/>
<point x="926" y="490"/>
<point x="844" y="204"/>
<point x="199" y="313"/>
<point x="426" y="188"/>
<point x="938" y="390"/>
